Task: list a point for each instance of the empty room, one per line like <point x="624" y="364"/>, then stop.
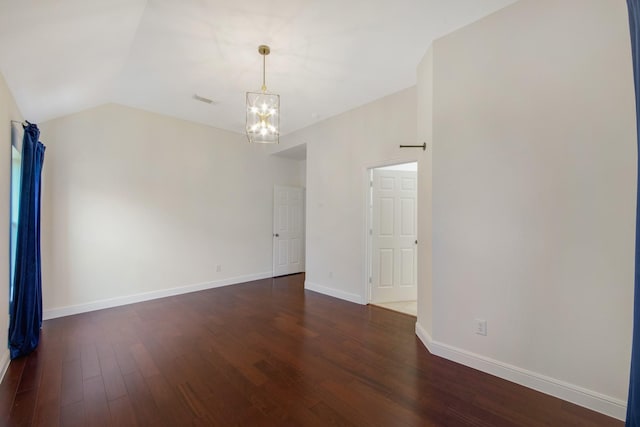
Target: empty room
<point x="317" y="213"/>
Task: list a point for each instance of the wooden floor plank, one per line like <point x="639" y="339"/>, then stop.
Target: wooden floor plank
<point x="73" y="415"/>
<point x="122" y="413"/>
<point x="95" y="402"/>
<point x="263" y="353"/>
<point x="47" y="411"/>
<point x="23" y="408"/>
<point x="90" y="363"/>
<point x="71" y="390"/>
<point x="145" y="409"/>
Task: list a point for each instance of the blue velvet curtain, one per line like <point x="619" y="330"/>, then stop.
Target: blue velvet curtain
<point x="26" y="305"/>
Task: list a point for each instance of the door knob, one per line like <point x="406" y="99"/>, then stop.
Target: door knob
<point x="276" y="235"/>
<point x="416" y="242"/>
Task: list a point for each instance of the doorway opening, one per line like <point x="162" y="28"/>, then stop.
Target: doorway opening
<point x="289" y="216"/>
<point x="392" y="243"/>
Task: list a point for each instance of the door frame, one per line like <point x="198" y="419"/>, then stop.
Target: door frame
<point x="367" y="170"/>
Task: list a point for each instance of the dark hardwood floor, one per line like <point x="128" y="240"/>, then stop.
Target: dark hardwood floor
<point x="264" y="353"/>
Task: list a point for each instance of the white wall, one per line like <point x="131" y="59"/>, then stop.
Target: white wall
<point x="302" y="173"/>
<point x="534" y="191"/>
<point x="424" y="105"/>
<point x="8" y="111"/>
<point x="139" y="203"/>
<point x="339" y="150"/>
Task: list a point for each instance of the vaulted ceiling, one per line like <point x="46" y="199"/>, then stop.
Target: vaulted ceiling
<point x="327" y="56"/>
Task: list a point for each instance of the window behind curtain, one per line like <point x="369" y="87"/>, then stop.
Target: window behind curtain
<point x="15" y="198"/>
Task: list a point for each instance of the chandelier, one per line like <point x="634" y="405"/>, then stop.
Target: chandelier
<point x="263" y="110"/>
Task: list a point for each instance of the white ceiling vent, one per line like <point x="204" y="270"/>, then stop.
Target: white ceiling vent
<point x="203" y="99"/>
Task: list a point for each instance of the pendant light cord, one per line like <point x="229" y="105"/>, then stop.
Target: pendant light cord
<point x="264" y="85"/>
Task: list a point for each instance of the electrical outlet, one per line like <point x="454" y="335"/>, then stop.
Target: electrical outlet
<point x="218" y="268"/>
<point x="331" y="275"/>
<point x="480" y="326"/>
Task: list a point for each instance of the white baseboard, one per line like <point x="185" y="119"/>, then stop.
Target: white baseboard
<point x="570" y="392"/>
<point x="332" y="292"/>
<point x="52" y="313"/>
<point x="4" y="363"/>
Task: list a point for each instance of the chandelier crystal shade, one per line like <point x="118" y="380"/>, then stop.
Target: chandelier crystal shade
<point x="263" y="111"/>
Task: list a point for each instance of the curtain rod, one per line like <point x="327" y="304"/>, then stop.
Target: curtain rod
<point x="423" y="146"/>
<point x="25" y="123"/>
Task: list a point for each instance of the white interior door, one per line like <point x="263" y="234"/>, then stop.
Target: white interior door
<point x="288" y="230"/>
<point x="393" y="236"/>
